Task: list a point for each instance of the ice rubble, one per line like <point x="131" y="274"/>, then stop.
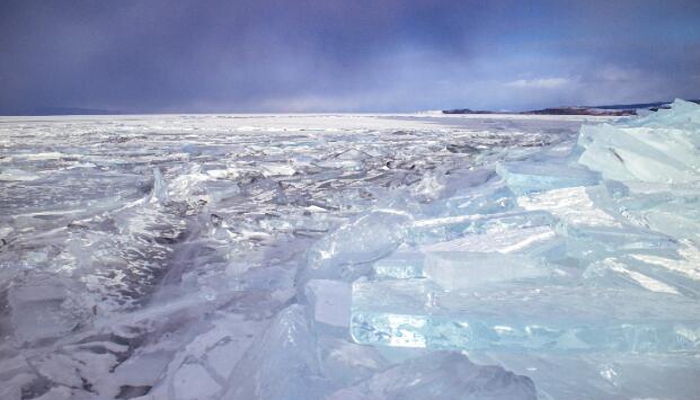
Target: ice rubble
<point x="661" y="147"/>
<point x="339" y="257"/>
<point x="441" y="375"/>
<point x="609" y="272"/>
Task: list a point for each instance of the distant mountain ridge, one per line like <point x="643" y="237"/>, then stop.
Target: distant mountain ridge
<point x="607" y="110"/>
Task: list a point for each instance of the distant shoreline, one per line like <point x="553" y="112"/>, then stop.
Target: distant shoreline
<point x="617" y="110"/>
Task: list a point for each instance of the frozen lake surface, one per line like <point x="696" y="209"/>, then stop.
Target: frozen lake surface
<point x="184" y="257"/>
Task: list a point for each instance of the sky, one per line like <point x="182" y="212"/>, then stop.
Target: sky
<point x="151" y="56"/>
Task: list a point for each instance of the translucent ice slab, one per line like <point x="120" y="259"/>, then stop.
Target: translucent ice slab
<point x="497" y="255"/>
<point x="347" y="252"/>
<point x="593" y="242"/>
<point x="491" y="248"/>
<point x="573" y="206"/>
<point x="528" y="177"/>
<point x="417" y="313"/>
<point x="330" y="300"/>
<point x="491" y="197"/>
<point x="462" y="269"/>
<point x="400" y="265"/>
<point x="280" y="364"/>
<point x="660" y="148"/>
<point x="684" y="114"/>
<point x="428" y="231"/>
<point x="671" y="210"/>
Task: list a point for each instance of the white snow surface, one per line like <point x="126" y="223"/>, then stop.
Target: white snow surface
<point x="183" y="257"/>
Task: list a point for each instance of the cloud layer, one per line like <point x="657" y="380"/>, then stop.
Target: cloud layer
<point x="333" y="55"/>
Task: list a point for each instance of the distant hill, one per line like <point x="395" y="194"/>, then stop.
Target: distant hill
<point x="608" y="110"/>
<point x="467" y="111"/>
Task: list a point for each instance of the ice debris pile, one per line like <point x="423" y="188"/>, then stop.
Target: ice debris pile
<point x="351" y="257"/>
<point x="595" y="254"/>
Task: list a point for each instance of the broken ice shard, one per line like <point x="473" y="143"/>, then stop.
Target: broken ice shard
<point x="445" y="375"/>
<point x="528" y="177"/>
<point x="44" y="309"/>
<point x="347" y="252"/>
<point x="400" y="265"/>
<point x="461" y="269"/>
<point x="280" y="364"/>
<point x="575" y="206"/>
<point x="497" y="255"/>
<point x="159" y="194"/>
<point x="594" y="242"/>
<point x="330" y="300"/>
<point x="527" y="317"/>
<point x="661" y="148"/>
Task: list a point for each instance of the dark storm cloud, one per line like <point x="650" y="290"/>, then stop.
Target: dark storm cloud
<point x="316" y="55"/>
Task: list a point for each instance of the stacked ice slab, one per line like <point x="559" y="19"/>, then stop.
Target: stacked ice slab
<point x="598" y="252"/>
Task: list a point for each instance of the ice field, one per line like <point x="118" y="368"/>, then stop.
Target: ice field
<point x="304" y="257"/>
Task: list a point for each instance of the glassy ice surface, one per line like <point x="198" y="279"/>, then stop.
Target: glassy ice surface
<point x="344" y="257"/>
<point x="401" y="265"/>
<point x="526" y="177"/>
